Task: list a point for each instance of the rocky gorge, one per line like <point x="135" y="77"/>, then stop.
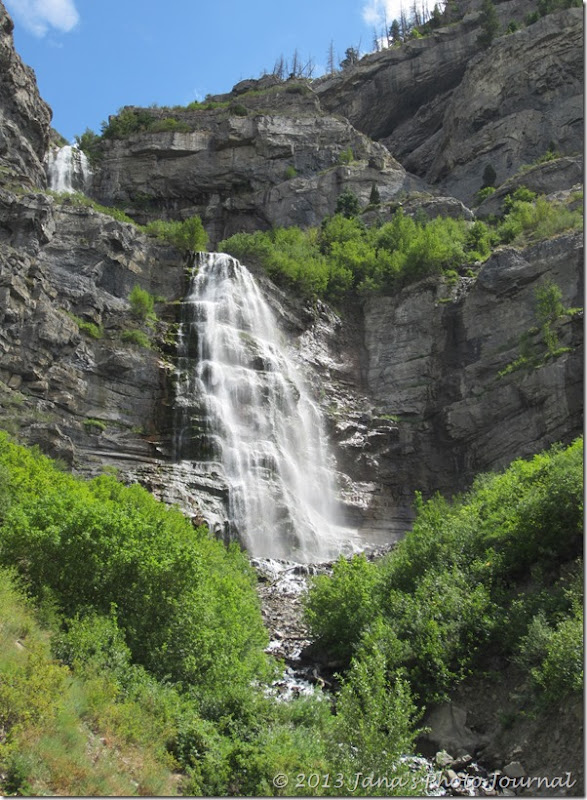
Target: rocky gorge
<point x="416" y="389"/>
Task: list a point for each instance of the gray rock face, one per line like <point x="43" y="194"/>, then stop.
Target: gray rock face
<point x="24" y="117"/>
<point x="558" y="175"/>
<point x="445" y="108"/>
<point x="233" y="170"/>
<point x="69" y="379"/>
<point x="522" y="94"/>
<point x="436" y="369"/>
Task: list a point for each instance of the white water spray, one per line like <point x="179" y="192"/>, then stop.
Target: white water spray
<point x="244" y="412"/>
<point x="68" y="169"/>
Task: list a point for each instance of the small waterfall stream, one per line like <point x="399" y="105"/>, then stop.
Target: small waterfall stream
<point x="243" y="412"/>
<point x="68" y="169"/>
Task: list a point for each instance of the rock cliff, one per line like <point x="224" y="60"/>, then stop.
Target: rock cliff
<point x="410" y="385"/>
<point x="446" y="108"/>
<point x="24" y="116"/>
<point x="278" y="162"/>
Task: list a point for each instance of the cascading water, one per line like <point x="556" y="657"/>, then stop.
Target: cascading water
<point x="68" y="169"/>
<point x="244" y="412"/>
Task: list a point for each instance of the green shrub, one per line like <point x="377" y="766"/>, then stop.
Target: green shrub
<point x="188" y="235"/>
<point x="94" y="425"/>
<point x="140" y="338"/>
<point x="91" y="144"/>
<point x="290" y="172"/>
<point x="489" y="22"/>
<point x="82" y="201"/>
<point x="169" y="124"/>
<point x="346" y="156"/>
<point x="238" y="109"/>
<point x="484" y="193"/>
<point x="521" y="195"/>
<point x="142" y="304"/>
<point x="101" y="545"/>
<point x="89" y="328"/>
<point x="530" y="220"/>
<point x="347" y="204"/>
<point x="345" y="601"/>
<point x="374" y="197"/>
<point x="442" y="597"/>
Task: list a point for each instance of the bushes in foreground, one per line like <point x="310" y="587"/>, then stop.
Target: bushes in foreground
<point x="100" y="546"/>
<point x="160" y="680"/>
<point x="449" y="591"/>
<point x="158" y="637"/>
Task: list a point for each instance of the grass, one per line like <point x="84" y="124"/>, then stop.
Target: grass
<point x="94" y="425"/>
<point x="62" y="734"/>
<point x="89" y="328"/>
<point x="137" y="337"/>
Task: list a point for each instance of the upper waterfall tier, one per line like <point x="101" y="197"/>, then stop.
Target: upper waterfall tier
<point x="243" y="409"/>
<point x="68" y="169"/>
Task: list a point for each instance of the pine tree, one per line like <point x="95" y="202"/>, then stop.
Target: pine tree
<point x="395" y="32"/>
<point x="489" y="22"/>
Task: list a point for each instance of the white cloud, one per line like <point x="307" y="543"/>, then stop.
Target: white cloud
<point x="376" y="12"/>
<point x="39" y="16"/>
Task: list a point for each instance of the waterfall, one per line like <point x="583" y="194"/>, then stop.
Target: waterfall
<point x="244" y="412"/>
<point x="68" y="169"/>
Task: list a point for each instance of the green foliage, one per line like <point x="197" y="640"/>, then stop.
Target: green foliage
<point x="550" y="6"/>
<point x="446" y="593"/>
<point x="375" y="724"/>
<point x="142" y="304"/>
<point x="550" y="155"/>
<point x="89" y="328"/>
<point x="528" y="220"/>
<point x="478" y="241"/>
<point x="207" y="105"/>
<point x="137" y="120"/>
<point x="346" y="156"/>
<point x="169" y="124"/>
<point x="374" y="197"/>
<point x="548" y="310"/>
<point x="140" y="338"/>
<point x="81" y="201"/>
<point x="90" y="143"/>
<point x="52" y="718"/>
<point x="188" y="235"/>
<point x="290" y="172"/>
<point x="238" y="109"/>
<point x="94" y="425"/>
<point x="521" y="195"/>
<point x="345" y="256"/>
<point x="347" y="204"/>
<point x="97" y="544"/>
<point x="343" y="601"/>
<point x="489" y="22"/>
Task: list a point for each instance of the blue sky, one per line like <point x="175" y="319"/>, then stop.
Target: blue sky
<point x="93" y="56"/>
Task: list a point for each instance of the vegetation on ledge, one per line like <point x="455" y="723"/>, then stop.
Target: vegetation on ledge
<point x="344" y="256"/>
